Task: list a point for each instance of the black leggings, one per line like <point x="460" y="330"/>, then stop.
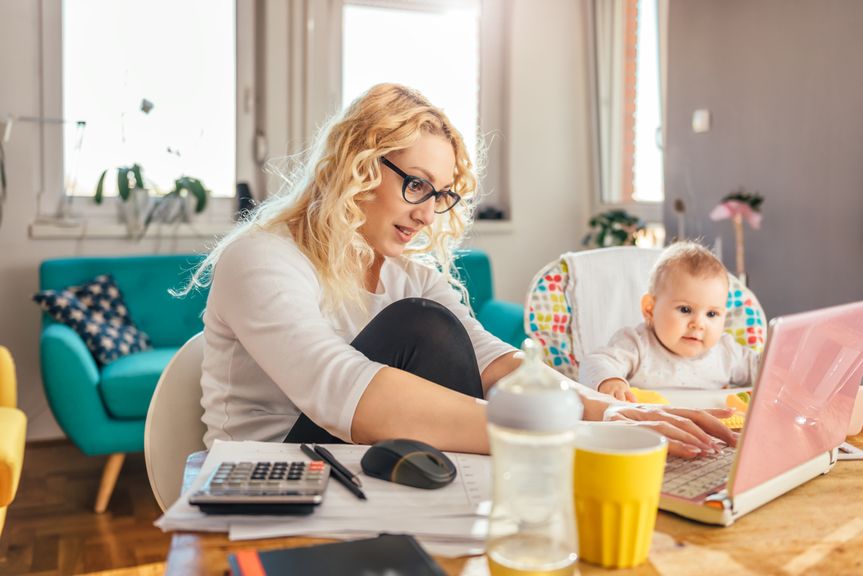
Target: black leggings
<point x="418" y="336"/>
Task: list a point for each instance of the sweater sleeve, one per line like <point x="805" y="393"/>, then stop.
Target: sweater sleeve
<point x="267" y="293"/>
<point x="486" y="346"/>
<point x="619" y="359"/>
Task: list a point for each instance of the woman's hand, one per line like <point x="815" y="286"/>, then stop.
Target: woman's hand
<point x="690" y="432"/>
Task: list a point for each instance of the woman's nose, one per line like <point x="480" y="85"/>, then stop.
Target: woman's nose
<point x="424" y="213"/>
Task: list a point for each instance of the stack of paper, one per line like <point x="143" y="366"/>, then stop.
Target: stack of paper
<point x="449" y="521"/>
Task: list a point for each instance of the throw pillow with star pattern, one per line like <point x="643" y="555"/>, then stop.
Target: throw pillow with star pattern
<point x="96" y="311"/>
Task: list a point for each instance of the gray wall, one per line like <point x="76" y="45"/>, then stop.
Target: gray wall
<point x="784" y="82"/>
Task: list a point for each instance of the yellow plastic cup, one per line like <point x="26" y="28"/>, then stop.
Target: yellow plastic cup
<point x="617" y="481"/>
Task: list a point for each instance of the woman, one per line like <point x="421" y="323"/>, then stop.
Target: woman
<point x="332" y="315"/>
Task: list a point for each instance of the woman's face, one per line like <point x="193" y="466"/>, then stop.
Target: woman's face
<point x="391" y="222"/>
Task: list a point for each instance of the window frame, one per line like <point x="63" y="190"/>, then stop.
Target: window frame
<point x="50" y="196"/>
<point x="649" y="211"/>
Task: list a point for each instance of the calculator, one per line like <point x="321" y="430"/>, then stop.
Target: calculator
<point x="263" y="488"/>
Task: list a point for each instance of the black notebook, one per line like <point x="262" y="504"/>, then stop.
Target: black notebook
<point x="387" y="554"/>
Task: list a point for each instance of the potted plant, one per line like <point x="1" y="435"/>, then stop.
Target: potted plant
<point x="138" y="211"/>
<point x="740" y="206"/>
<point x="134" y="197"/>
<point x="613" y="228"/>
<point x="174" y="206"/>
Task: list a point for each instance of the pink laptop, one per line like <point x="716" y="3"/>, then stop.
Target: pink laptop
<point x="800" y="412"/>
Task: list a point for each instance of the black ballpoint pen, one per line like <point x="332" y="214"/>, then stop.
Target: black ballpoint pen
<point x="335" y="472"/>
<point x="331" y="460"/>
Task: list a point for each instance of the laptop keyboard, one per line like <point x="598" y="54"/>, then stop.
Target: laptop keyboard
<point x="690" y="478"/>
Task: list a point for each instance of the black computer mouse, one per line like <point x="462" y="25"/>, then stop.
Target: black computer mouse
<point x="409" y="462"/>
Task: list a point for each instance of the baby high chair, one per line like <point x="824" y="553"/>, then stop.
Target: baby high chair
<point x="578" y="301"/>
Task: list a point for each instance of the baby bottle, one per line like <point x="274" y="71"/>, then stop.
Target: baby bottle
<point x="532" y="418"/>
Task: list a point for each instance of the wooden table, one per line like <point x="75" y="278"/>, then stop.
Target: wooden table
<point x="815" y="529"/>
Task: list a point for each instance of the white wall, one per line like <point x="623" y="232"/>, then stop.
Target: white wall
<point x="549" y="144"/>
<point x="548" y="149"/>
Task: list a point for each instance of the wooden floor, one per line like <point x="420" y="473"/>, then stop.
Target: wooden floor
<point x="51" y="527"/>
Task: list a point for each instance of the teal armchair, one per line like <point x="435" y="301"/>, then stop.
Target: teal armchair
<point x="102" y="409"/>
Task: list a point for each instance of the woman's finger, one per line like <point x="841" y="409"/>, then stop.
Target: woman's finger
<point x="678" y="448"/>
<point x="694" y="435"/>
<point x="686" y="445"/>
<point x="708" y="420"/>
<point x="694" y="446"/>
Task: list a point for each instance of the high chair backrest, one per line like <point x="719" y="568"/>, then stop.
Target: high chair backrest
<point x="578" y="301"/>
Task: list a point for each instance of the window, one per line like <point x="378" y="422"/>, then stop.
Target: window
<point x="155" y="82"/>
<point x="167" y="85"/>
<point x="628" y="96"/>
<point x="434" y="51"/>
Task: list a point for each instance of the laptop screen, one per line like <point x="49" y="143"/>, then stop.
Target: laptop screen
<point x="801" y="406"/>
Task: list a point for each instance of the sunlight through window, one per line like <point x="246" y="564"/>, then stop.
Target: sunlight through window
<point x="434" y="52"/>
<point x="155" y="81"/>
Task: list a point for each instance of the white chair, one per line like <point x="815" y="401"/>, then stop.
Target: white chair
<point x="174" y="428"/>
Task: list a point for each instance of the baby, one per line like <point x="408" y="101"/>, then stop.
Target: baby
<point x="681" y="343"/>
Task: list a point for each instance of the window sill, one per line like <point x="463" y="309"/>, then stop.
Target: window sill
<point x="110" y="231"/>
<point x="113" y="231"/>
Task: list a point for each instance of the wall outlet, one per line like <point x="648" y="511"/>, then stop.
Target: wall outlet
<point x="701" y="121"/>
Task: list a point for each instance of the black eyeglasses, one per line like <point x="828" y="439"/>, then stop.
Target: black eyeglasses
<point x="416" y="190"/>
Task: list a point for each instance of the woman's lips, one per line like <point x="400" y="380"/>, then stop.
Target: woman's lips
<point x="405" y="233"/>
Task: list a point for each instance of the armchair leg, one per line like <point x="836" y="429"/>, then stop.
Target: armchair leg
<point x="109" y="478"/>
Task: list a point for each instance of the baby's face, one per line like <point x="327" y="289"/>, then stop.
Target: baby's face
<point x="687" y="312"/>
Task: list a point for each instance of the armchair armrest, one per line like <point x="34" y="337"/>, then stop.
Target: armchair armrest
<point x="505" y="320"/>
<point x="13" y="427"/>
<point x="71" y="379"/>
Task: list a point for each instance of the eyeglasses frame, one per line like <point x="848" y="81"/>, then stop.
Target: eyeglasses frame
<point x="407" y="178"/>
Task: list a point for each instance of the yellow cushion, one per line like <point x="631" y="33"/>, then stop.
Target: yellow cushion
<point x="13" y="426"/>
<point x="8" y="391"/>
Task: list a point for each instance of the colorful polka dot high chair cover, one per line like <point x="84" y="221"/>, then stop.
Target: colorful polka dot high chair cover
<point x="552" y="318"/>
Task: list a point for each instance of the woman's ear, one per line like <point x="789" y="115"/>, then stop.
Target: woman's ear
<point x="647" y="303"/>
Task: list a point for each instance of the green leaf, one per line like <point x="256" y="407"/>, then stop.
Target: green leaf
<point x="139" y="178"/>
<point x="123" y="183"/>
<point x="100" y="188"/>
<point x="194" y="187"/>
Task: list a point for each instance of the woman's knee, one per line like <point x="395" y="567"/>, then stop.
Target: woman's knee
<point x="421" y="317"/>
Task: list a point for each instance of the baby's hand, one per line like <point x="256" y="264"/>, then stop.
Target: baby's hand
<point x="618" y="388"/>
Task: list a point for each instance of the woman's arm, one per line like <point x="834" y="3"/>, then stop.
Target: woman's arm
<point x="690" y="432"/>
<point x="595" y="403"/>
<point x="397" y="404"/>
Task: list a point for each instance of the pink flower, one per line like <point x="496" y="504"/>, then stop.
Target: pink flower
<point x="732" y="208"/>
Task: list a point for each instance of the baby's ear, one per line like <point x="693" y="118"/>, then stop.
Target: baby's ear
<point x="647" y="303"/>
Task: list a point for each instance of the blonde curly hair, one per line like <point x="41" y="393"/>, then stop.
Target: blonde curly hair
<point x="320" y="206"/>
